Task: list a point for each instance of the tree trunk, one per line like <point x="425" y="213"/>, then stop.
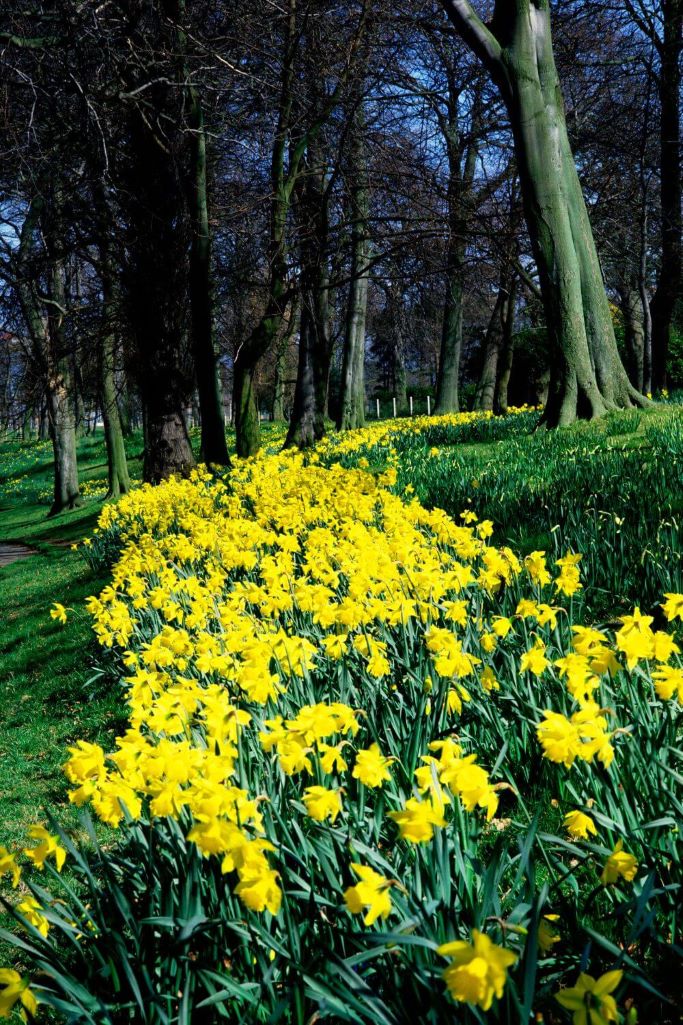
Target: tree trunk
<point x="634" y="331"/>
<point x="507" y="351"/>
<point x="400" y="378"/>
<point x="448" y="378"/>
<point x="279" y="385"/>
<point x="157" y="281"/>
<point x="117" y="465"/>
<point x="352" y="398"/>
<point x="60" y="381"/>
<point x="307" y="424"/>
<point x="44" y="424"/>
<point x="48" y="343"/>
<point x="669" y="281"/>
<point x="282" y="365"/>
<point x="493" y="342"/>
<point x="461" y="167"/>
<point x="589" y="376"/>
<point x="214" y="449"/>
<point x="284" y="170"/>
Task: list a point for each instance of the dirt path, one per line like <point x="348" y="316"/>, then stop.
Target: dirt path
<point x="13" y="551"/>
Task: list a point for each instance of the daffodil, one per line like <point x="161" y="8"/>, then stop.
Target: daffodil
<point x="372" y="768"/>
<point x="478" y="970"/>
<point x="322" y="804"/>
<point x="16" y="990"/>
<point x="9" y="866"/>
<point x="579" y="825"/>
<point x="619" y="865"/>
<point x="58" y="612"/>
<point x="591" y="999"/>
<point x="371" y="893"/>
<point x="547" y="937"/>
<point x="48" y="847"/>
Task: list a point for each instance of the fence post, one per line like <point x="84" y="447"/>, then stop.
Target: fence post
<point x="429" y="406"/>
<point x="411" y="405"/>
<point x="394" y="401"/>
<point x="377" y="401"/>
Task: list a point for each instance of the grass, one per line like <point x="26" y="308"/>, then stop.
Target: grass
<point x="44" y="667"/>
<point x="610" y="490"/>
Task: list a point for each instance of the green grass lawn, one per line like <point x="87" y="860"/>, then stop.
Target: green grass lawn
<point x="44" y="667"/>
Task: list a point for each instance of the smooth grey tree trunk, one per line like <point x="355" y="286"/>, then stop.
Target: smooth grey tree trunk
<point x="516" y="47"/>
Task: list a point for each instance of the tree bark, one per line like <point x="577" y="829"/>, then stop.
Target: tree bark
<point x="631" y="305"/>
<point x="493" y="342"/>
<point x="461" y="167"/>
<point x="307" y="424"/>
<point x="517" y="49"/>
<point x="48" y="343"/>
<point x="156" y="279"/>
<point x="60" y="380"/>
<point x="282" y="363"/>
<point x="507" y="352"/>
<point x="117" y="464"/>
<point x="352" y="398"/>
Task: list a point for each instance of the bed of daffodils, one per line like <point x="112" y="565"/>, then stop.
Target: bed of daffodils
<point x="376" y="769"/>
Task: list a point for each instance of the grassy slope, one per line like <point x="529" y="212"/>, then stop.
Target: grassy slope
<point x="44" y="705"/>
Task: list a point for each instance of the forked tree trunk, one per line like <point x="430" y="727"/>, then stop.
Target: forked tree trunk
<point x="517" y="49"/>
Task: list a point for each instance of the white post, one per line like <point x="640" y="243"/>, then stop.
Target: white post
<point x="377" y="400"/>
<point x="394" y="401"/>
<point x="411" y="405"/>
<point x="429" y="406"/>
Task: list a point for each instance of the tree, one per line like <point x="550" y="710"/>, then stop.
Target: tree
<point x="662" y="24"/>
<point x="352" y="397"/>
<point x="157" y="272"/>
<point x="516" y="48"/>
